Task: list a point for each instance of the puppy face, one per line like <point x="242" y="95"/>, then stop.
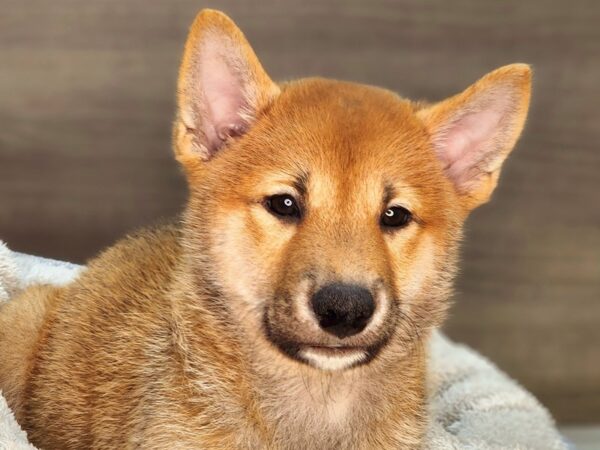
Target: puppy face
<point x="329" y="213"/>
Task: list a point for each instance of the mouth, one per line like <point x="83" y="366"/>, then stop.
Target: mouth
<point x="333" y="358"/>
<point x="326" y="357"/>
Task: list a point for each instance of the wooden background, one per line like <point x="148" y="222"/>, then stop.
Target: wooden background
<point x="86" y="100"/>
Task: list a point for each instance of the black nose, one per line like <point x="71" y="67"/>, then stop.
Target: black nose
<point x="343" y="309"/>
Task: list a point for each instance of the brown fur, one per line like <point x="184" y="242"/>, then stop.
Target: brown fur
<point x="168" y="339"/>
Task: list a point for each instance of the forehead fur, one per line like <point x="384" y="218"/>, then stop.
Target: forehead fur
<point x="349" y="120"/>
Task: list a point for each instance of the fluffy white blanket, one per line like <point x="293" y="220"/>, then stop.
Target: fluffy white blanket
<point x="473" y="405"/>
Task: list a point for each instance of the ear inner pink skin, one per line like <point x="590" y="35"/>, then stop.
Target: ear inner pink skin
<point x="473" y="139"/>
<point x="469" y="143"/>
<point x="223" y="84"/>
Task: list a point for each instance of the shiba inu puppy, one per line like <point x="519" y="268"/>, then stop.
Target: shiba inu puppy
<point x="290" y="306"/>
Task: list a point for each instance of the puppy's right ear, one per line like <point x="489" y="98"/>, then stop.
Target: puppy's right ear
<point x="221" y="88"/>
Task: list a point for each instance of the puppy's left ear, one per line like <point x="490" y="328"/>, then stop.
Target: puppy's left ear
<point x="473" y="132"/>
<point x="221" y="90"/>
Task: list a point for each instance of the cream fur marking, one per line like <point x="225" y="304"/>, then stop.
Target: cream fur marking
<point x="330" y="361"/>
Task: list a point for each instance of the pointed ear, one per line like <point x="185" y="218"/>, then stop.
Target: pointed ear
<point x="473" y="132"/>
<point x="221" y="88"/>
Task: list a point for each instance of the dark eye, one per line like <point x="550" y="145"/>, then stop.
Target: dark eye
<point x="283" y="205"/>
<point x="396" y="217"/>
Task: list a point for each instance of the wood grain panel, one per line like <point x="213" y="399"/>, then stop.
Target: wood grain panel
<point x="86" y="102"/>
